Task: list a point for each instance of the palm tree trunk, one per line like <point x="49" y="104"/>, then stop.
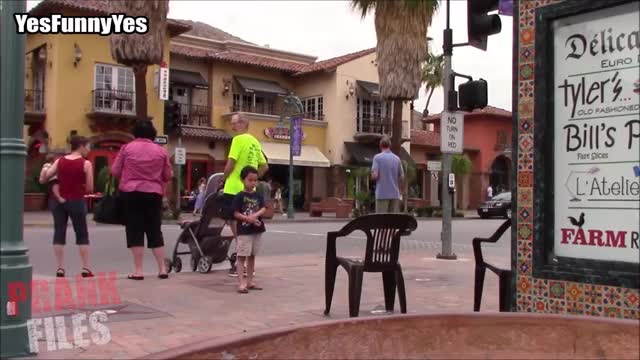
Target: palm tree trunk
<point x="140" y="72"/>
<point x="396" y="127"/>
<point x="426" y="106"/>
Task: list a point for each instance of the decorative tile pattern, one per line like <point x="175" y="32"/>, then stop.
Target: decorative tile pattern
<point x="541" y="295"/>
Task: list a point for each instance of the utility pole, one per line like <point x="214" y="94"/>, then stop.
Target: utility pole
<point x="446" y="197"/>
<point x="15" y="282"/>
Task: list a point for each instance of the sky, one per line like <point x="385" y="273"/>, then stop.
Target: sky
<point x="331" y="28"/>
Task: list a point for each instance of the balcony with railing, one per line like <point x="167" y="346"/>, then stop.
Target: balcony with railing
<point x="373" y="128"/>
<point x="263" y="109"/>
<point x="106" y="103"/>
<point x="195" y="115"/>
<point x="34" y="111"/>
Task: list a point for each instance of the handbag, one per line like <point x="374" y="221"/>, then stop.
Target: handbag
<point x="110" y="209"/>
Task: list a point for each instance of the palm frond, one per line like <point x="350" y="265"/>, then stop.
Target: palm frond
<point x="364" y="6"/>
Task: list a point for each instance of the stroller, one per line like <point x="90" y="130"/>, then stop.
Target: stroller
<point x="207" y="245"/>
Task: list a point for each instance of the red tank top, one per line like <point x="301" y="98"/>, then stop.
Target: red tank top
<point x="71" y="178"/>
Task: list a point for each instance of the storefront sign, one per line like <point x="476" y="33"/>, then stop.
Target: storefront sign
<point x="280" y="133"/>
<point x="296" y="141"/>
<point x="596" y="134"/>
<point x="164" y="84"/>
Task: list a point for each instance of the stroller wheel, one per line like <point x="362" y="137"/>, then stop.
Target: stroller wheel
<point x="204" y="264"/>
<point x="177" y="264"/>
<point x="194" y="262"/>
<point x="168" y="264"/>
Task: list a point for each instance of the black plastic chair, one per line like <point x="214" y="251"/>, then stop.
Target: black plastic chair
<point x="383" y="233"/>
<point x="504" y="275"/>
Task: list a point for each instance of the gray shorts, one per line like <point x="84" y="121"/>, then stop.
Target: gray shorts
<point x="388" y="206"/>
<point x="249" y="245"/>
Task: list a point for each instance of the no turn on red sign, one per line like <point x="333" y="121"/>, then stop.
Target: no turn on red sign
<point x="451" y="132"/>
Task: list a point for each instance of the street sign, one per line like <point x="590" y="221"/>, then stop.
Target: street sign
<point x="452" y="180"/>
<point x="451" y="132"/>
<point x="434" y="165"/>
<point x="161" y="140"/>
<point x="164" y="84"/>
<point x="180" y="156"/>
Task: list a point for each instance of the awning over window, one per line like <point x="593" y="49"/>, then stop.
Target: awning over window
<point x="187" y="78"/>
<point x="372" y="89"/>
<point x="260" y="86"/>
<point x="362" y="154"/>
<point x="310" y="155"/>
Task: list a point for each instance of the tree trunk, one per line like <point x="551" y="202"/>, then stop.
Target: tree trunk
<point x="396" y="127"/>
<point x="140" y="72"/>
<point x="425" y="112"/>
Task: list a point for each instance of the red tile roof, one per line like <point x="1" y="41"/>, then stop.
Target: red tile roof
<point x="205" y="133"/>
<point x="429" y="139"/>
<point x="257" y="60"/>
<point x="489" y="110"/>
<point x="331" y="64"/>
<point x="100" y="7"/>
<point x="189" y="51"/>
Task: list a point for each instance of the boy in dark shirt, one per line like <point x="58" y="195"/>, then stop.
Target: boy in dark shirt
<point x="248" y="206"/>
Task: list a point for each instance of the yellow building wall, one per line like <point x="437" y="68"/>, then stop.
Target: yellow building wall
<point x="68" y="88"/>
<point x="314" y="135"/>
<point x="199" y="96"/>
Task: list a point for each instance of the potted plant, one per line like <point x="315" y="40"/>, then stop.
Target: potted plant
<point x="35" y="194"/>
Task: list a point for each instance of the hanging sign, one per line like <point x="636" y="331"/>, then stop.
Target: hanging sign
<point x="596" y="134"/>
<point x="296" y="140"/>
<point x="163" y="89"/>
<point x="280" y="133"/>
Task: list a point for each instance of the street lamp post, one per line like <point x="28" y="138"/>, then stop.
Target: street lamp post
<point x="292" y="106"/>
<point x="15" y="306"/>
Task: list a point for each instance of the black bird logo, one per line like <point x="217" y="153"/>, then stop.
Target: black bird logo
<point x="577" y="223"/>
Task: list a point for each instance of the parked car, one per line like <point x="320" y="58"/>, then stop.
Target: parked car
<point x="499" y="205"/>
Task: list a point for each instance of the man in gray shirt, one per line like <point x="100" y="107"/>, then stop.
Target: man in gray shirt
<point x="387" y="171"/>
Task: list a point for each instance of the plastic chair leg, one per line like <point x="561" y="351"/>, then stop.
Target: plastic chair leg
<point x="389" y="284"/>
<point x="401" y="291"/>
<point x="478" y="284"/>
<point x="329" y="284"/>
<point x="505" y="295"/>
<point x="355" y="290"/>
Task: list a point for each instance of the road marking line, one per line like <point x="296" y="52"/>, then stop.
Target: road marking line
<point x="282" y="232"/>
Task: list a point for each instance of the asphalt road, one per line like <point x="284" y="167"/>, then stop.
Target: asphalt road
<point x="109" y="252"/>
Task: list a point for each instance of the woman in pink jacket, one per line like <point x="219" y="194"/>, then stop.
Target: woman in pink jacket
<point x="143" y="168"/>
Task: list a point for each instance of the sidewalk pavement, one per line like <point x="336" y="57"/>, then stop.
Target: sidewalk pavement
<point x="44" y="218"/>
<point x="156" y="315"/>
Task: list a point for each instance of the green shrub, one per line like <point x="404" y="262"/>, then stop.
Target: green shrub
<point x="33" y="181"/>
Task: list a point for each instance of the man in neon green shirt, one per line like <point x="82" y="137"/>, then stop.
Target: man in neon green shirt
<point x="245" y="150"/>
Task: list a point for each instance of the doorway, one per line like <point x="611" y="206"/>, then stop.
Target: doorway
<point x="280" y="175"/>
<point x="101" y="161"/>
<point x="500" y="174"/>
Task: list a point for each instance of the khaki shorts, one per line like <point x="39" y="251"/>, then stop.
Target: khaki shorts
<point x="248" y="245"/>
<point x="388" y="206"/>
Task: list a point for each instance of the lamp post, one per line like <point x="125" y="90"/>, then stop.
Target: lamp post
<point x="15" y="299"/>
<point x="292" y="106"/>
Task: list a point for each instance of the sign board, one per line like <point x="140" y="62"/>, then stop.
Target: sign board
<point x="452" y="181"/>
<point x="296" y="140"/>
<point x="596" y="134"/>
<point x="451" y="132"/>
<point x="434" y="165"/>
<point x="280" y="133"/>
<point x="161" y="140"/>
<point x="180" y="156"/>
<point x="163" y="89"/>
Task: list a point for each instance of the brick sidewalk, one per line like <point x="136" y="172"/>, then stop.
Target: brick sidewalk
<point x="189" y="307"/>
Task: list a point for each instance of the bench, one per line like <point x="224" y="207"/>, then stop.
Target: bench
<point x="331" y="205"/>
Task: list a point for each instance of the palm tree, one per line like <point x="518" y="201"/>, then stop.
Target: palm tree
<point x="433" y="76"/>
<point x="401" y="30"/>
<point x="141" y="50"/>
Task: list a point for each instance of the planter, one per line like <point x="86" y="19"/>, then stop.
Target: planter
<point x="35" y="201"/>
<point x="441" y="336"/>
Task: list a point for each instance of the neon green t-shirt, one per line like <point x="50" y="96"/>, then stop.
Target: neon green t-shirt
<point x="245" y="151"/>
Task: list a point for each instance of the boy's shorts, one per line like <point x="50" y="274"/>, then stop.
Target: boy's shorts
<point x="249" y="245"/>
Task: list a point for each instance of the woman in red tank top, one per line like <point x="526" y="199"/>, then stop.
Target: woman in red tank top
<point x="75" y="178"/>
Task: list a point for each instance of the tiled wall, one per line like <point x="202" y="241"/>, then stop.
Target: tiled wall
<point x="542" y="295"/>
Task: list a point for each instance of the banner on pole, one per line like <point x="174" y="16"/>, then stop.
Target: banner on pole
<point x="296" y="138"/>
<point x="505" y="7"/>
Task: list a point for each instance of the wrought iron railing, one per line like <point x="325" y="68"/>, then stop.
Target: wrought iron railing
<point x="313" y="116"/>
<point x="266" y="109"/>
<point x="377" y="125"/>
<point x="196" y="115"/>
<point x="113" y="101"/>
<point x="34" y="101"/>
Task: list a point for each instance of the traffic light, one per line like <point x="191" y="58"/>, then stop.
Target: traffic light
<point x="480" y="24"/>
<point x="473" y="95"/>
<point x="171" y="115"/>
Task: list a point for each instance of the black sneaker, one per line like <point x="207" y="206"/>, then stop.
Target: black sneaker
<point x="233" y="272"/>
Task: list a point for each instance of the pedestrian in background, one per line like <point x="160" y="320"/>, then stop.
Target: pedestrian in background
<point x="489" y="192"/>
<point x="53" y="186"/>
<point x="197" y="208"/>
<point x="143" y="168"/>
<point x="388" y="173"/>
<point x="75" y="178"/>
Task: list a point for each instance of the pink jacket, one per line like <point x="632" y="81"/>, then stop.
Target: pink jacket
<point x="142" y="166"/>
